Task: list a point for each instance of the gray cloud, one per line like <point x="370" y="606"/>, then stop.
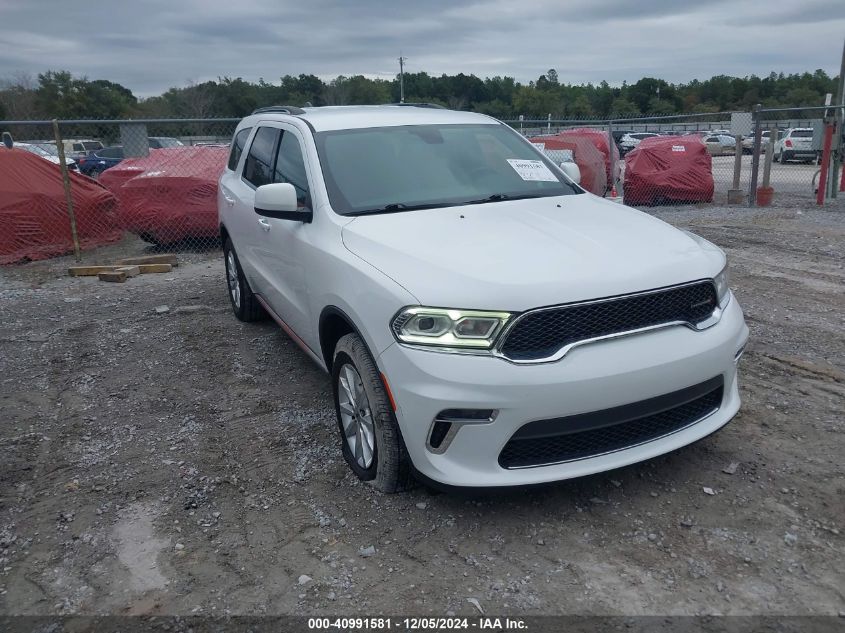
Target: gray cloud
<point x="152" y="45"/>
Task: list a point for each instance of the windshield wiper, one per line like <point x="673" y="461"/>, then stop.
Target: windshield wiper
<point x="499" y="197"/>
<point x="396" y="207"/>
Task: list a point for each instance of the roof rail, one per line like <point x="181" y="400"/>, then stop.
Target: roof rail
<point x="280" y="109"/>
<point x="421" y="105"/>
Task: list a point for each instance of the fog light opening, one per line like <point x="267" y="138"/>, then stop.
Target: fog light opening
<point x="438" y="433"/>
<point x="448" y="422"/>
<point x="467" y="415"/>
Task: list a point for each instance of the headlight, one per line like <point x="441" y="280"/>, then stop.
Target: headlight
<point x="723" y="291"/>
<point x="472" y="329"/>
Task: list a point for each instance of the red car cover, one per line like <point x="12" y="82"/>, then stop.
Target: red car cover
<point x="113" y="177"/>
<point x="589" y="160"/>
<point x="600" y="140"/>
<point x="34" y="222"/>
<point x="667" y="169"/>
<point x="175" y="198"/>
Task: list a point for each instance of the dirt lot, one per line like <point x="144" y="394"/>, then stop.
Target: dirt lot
<point x="185" y="463"/>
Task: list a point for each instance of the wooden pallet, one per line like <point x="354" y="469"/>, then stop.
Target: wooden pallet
<point x="126" y="268"/>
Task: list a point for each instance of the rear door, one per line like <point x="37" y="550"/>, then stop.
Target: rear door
<point x="233" y="211"/>
<point x="237" y="191"/>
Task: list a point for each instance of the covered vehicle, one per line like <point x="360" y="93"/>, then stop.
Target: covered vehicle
<point x="582" y="152"/>
<point x="175" y="197"/>
<point x="598" y="138"/>
<point x="114" y="177"/>
<point x="34" y="220"/>
<point x="665" y="170"/>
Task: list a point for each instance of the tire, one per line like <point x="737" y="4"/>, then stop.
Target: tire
<point x="244" y="302"/>
<point x="150" y="239"/>
<point x="363" y="408"/>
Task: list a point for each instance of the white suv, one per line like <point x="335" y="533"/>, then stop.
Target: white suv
<point x="485" y="321"/>
<point x="795" y="144"/>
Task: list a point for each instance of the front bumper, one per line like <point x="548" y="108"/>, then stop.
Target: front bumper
<point x="593" y="377"/>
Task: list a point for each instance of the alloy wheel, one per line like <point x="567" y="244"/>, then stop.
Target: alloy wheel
<point x="232" y="278"/>
<point x="356" y="416"/>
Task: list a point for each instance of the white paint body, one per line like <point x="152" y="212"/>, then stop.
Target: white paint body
<point x="506" y="256"/>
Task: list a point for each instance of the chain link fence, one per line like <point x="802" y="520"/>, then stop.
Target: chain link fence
<point x="649" y="160"/>
<point x="147" y="185"/>
<point x="788" y="163"/>
<point x="151" y="185"/>
<point x="662" y="161"/>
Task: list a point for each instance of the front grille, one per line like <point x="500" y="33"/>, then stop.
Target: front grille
<point x="587" y="435"/>
<point x="540" y="334"/>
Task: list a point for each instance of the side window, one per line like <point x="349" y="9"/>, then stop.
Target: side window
<point x="77" y="147"/>
<point x="238" y="147"/>
<point x="290" y="167"/>
<point x="258" y="168"/>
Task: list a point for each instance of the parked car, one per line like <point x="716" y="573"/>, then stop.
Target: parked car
<point x="38" y="150"/>
<point x="748" y="142"/>
<point x="796" y="144"/>
<point x="74" y="148"/>
<point x="617" y="137"/>
<point x="484" y="320"/>
<point x="157" y="142"/>
<point x="630" y="140"/>
<point x="97" y="162"/>
<point x="720" y="144"/>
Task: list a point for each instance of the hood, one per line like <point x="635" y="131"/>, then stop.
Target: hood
<point x="521" y="254"/>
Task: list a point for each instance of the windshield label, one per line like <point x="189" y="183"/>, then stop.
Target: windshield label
<point x="532" y="170"/>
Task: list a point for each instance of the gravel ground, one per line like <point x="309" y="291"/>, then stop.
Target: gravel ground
<point x="186" y="463"/>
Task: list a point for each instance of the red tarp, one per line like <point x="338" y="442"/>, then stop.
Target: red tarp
<point x="599" y="139"/>
<point x="34" y="222"/>
<point x="589" y="160"/>
<point x="667" y="169"/>
<point x="128" y="168"/>
<point x="175" y="196"/>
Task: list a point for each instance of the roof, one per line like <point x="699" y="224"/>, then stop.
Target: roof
<point x="352" y="117"/>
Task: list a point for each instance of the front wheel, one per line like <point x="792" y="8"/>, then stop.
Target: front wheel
<point x="245" y="305"/>
<point x="371" y="442"/>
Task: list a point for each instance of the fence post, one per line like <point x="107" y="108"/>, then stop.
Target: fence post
<point x="755" y="157"/>
<point x="610" y="154"/>
<point x="735" y="194"/>
<point x="68" y="196"/>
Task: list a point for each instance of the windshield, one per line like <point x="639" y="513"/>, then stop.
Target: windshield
<point x="91" y="145"/>
<point x="34" y="149"/>
<point x="802" y="133"/>
<point x="399" y="168"/>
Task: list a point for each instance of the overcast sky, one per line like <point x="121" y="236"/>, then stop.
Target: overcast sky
<point x="151" y="45"/>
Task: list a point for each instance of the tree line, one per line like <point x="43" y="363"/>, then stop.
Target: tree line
<point x="60" y="94"/>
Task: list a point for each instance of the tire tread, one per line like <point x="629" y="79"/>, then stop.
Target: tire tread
<point x="394" y="472"/>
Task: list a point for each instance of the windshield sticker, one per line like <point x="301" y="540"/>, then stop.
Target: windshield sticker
<point x="679" y="148"/>
<point x="532" y="170"/>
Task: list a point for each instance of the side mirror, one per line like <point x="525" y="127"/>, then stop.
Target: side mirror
<point x="572" y="171"/>
<point x="278" y="200"/>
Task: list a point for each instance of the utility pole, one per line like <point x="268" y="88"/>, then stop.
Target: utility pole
<point x="402" y="61"/>
<point x="835" y="182"/>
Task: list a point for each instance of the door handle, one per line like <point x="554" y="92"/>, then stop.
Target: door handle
<point x="264" y="224"/>
<point x="229" y="201"/>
